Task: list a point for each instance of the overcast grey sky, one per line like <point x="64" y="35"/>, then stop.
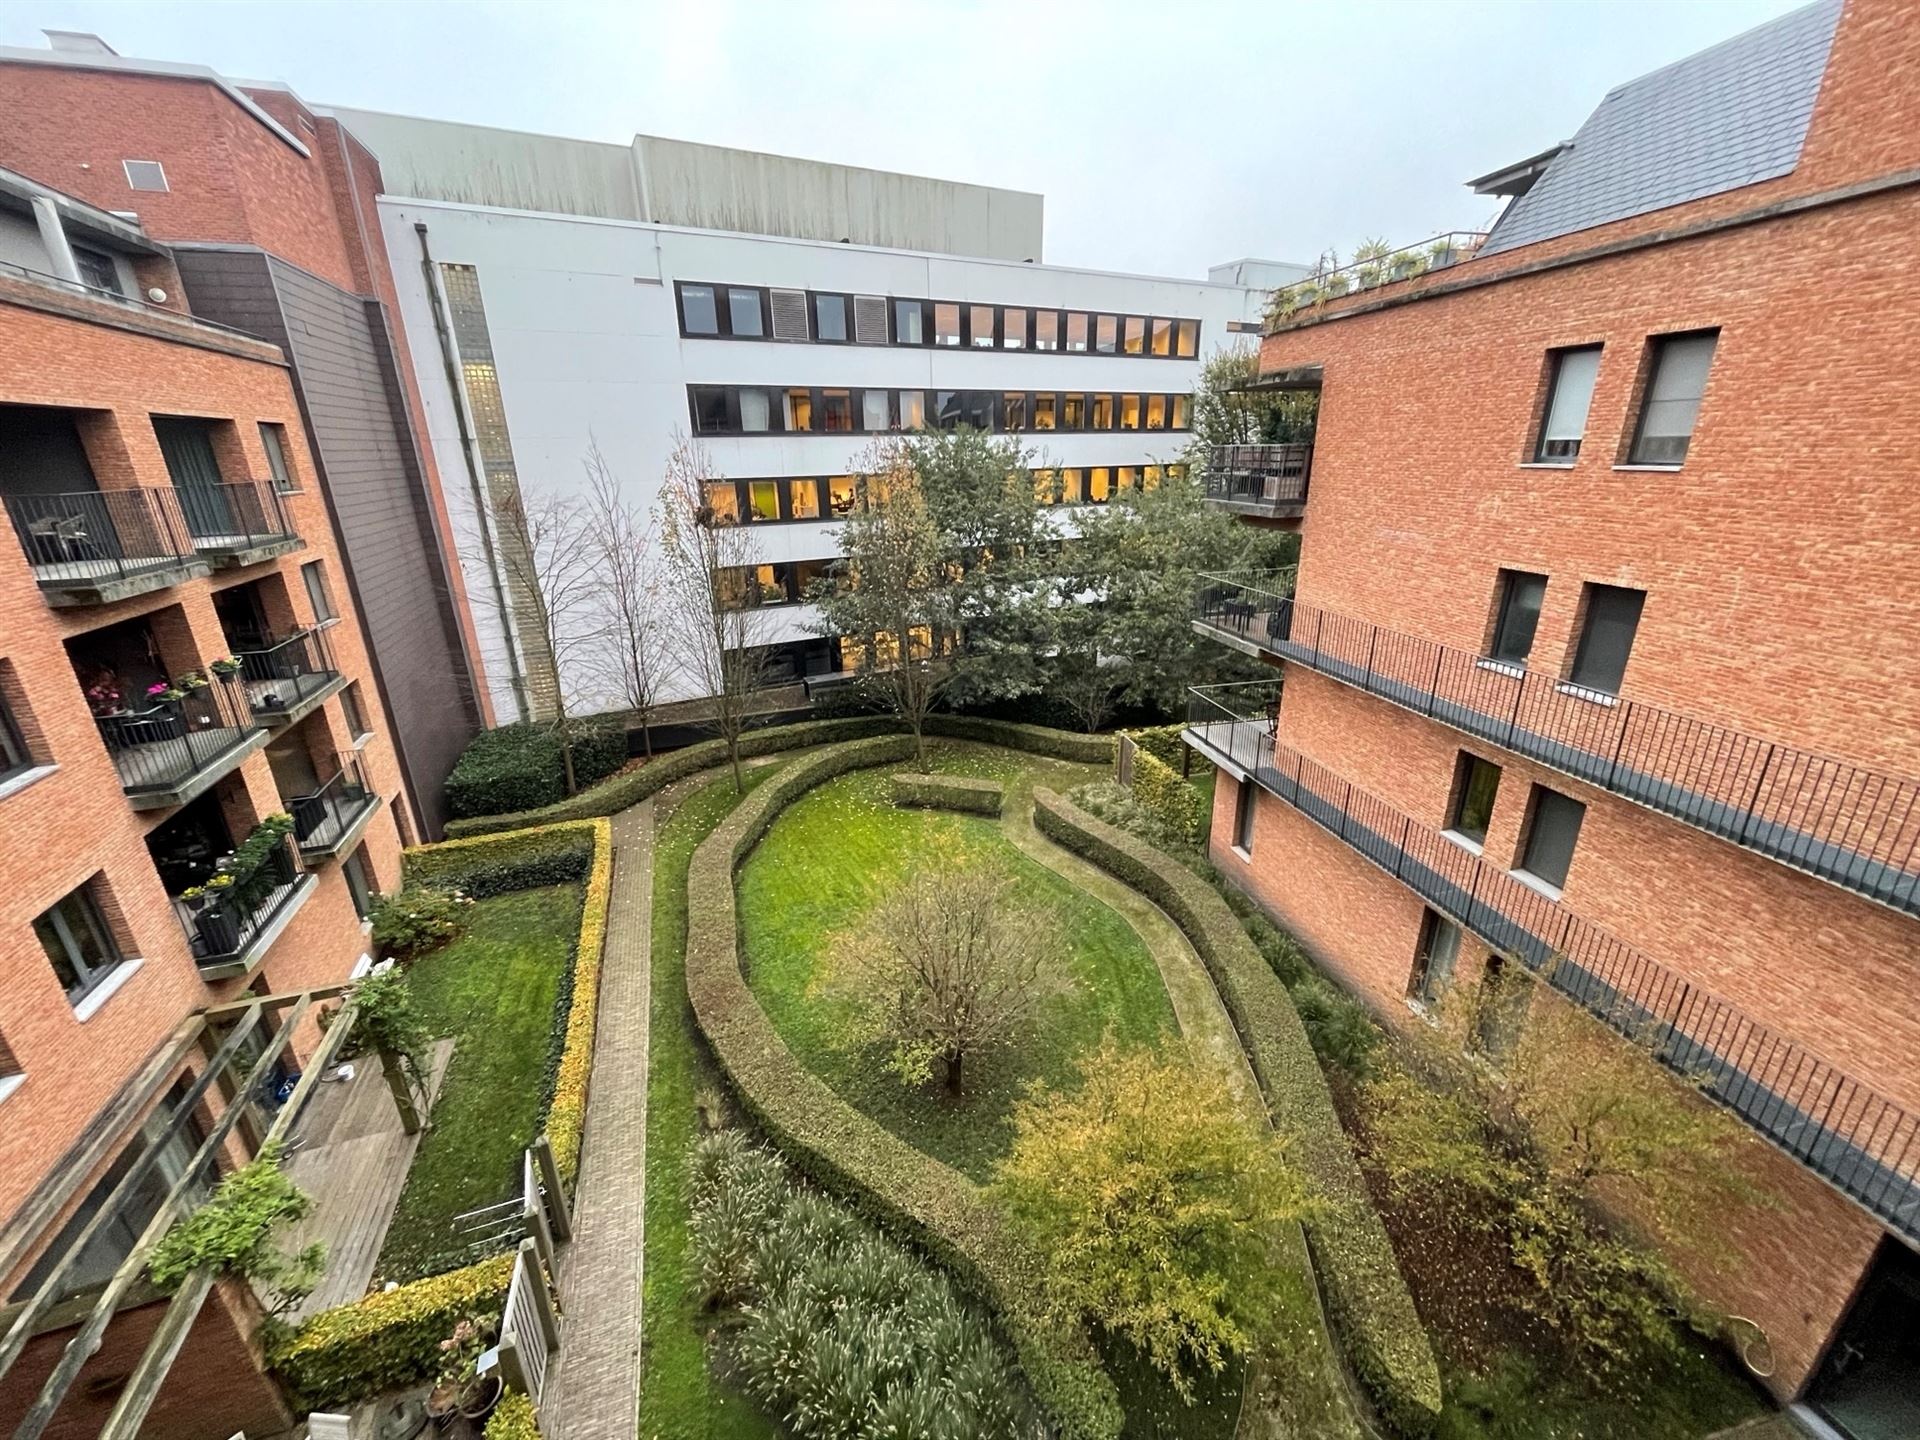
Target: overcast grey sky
<point x="1166" y="136"/>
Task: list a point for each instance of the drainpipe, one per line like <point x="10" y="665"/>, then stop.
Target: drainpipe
<point x="449" y="356"/>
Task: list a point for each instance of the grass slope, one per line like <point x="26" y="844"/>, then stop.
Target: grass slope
<point x="679" y="1397"/>
<point x="841" y="849"/>
<point x="494" y="991"/>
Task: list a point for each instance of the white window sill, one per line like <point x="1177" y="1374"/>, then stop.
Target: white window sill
<point x="1502" y="667"/>
<point x="326" y="622"/>
<point x="15" y="784"/>
<point x="1650" y="469"/>
<point x="1534" y="882"/>
<point x="1465" y="842"/>
<point x="1592" y="697"/>
<point x="1244" y="853"/>
<point x="91" y="1002"/>
<point x="360" y="742"/>
<point x="1547" y="464"/>
<point x="9" y="1084"/>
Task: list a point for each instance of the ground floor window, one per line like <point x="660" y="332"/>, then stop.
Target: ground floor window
<point x="1434" y="958"/>
<point x="359" y="881"/>
<point x="77" y="943"/>
<point x="1243" y="810"/>
<point x="1869" y="1384"/>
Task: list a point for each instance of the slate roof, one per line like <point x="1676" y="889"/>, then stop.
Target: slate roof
<point x="1729" y="116"/>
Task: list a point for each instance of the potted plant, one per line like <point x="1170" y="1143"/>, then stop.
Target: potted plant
<point x="106" y="700"/>
<point x="226" y="668"/>
<point x="459" y="1385"/>
<point x="165" y="690"/>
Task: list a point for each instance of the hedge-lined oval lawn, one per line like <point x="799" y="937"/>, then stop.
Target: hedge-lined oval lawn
<point x="843" y="848"/>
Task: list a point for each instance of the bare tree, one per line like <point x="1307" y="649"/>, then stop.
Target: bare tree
<point x="553" y="584"/>
<point x="626" y="540"/>
<point x="945" y="970"/>
<point x="718" y="632"/>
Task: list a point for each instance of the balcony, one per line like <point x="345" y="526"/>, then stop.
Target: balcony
<point x="230" y="925"/>
<point x="93" y="547"/>
<point x="237" y="524"/>
<point x="329" y="820"/>
<point x="288" y="679"/>
<point x="175" y="749"/>
<point x="1267" y="482"/>
<point x="1863" y="1144"/>
<point x="1853" y="827"/>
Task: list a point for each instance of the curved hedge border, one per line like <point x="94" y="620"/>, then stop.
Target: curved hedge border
<point x="850" y="1154"/>
<point x="1354" y="1259"/>
<point x="637" y="785"/>
<point x="388" y="1340"/>
<point x="948" y="792"/>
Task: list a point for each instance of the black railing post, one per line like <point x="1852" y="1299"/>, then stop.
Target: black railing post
<point x="1746" y="824"/>
<point x="1513" y="720"/>
<point x="1406" y="835"/>
<point x="1373" y="639"/>
<point x="1433" y="688"/>
<point x="1626" y="719"/>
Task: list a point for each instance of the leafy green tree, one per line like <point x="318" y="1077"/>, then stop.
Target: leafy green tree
<point x="233" y="1234"/>
<point x="1225" y="413"/>
<point x="1154" y="1196"/>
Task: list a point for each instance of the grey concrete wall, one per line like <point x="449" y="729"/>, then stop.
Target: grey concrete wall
<point x="365" y="451"/>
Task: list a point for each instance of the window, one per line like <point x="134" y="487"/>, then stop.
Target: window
<point x="946" y="324"/>
<point x="1014" y="410"/>
<point x="1045" y="411"/>
<point x="913" y="409"/>
<point x="756" y="411"/>
<point x="359" y="882"/>
<point x="1475" y="783"/>
<point x="1156" y="412"/>
<point x="1243" y="812"/>
<point x="1072" y="486"/>
<point x="77" y="943"/>
<point x="699" y="312"/>
<point x="909" y="323"/>
<point x="1045" y="487"/>
<point x="97" y="269"/>
<point x="875" y="412"/>
<point x="1013" y="329"/>
<point x="1433" y="958"/>
<point x="1099" y="485"/>
<point x="14" y="754"/>
<point x="1126" y="477"/>
<point x="1672" y="405"/>
<point x="946" y="408"/>
<point x="830" y="319"/>
<point x="980" y="326"/>
<point x="1046" y="329"/>
<point x="1105" y="329"/>
<point x="273" y="441"/>
<point x="1518" y="615"/>
<point x="797" y="411"/>
<point x="1160" y="337"/>
<point x="763" y="500"/>
<point x="1102" y="418"/>
<point x="843" y="493"/>
<point x="1129" y="412"/>
<point x="710" y="410"/>
<point x="145" y="175"/>
<point x="1151" y="475"/>
<point x="743" y="312"/>
<point x="1187" y="340"/>
<point x="319" y="594"/>
<point x="723" y="502"/>
<point x="1569" y="394"/>
<point x="1073" y="413"/>
<point x="354" y="711"/>
<point x="836" y="410"/>
<point x="803" y="496"/>
<point x="1606" y="639"/>
<point x="1136" y="335"/>
<point x="869" y="320"/>
<point x="1182" y="412"/>
<point x="1553" y="826"/>
<point x="976" y="409"/>
<point x="1076" y="333"/>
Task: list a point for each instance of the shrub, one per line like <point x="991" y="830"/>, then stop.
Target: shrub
<point x="1034" y="739"/>
<point x="1163" y="742"/>
<point x="1352" y="1255"/>
<point x="387" y="1341"/>
<point x="416" y="919"/>
<point x="492" y="865"/>
<point x="948" y="792"/>
<point x="850" y="1154"/>
<point x="567" y="1110"/>
<point x="513" y="1419"/>
<point x="234" y="1233"/>
<point x="521" y="767"/>
<point x="1165" y="794"/>
<point x="1119" y="806"/>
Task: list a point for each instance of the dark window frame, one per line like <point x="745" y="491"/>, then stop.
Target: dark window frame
<point x="814" y="297"/>
<point x="13" y="739"/>
<point x="100" y="262"/>
<point x="273" y="441"/>
<point x="1174" y="406"/>
<point x="1582" y="654"/>
<point x="1530" y="831"/>
<point x="1504" y="586"/>
<point x="1657" y="348"/>
<point x="319" y="587"/>
<point x="1556" y="369"/>
<point x="90" y="977"/>
<point x="1468" y="767"/>
<point x="1245" y="811"/>
<point x="1425" y="986"/>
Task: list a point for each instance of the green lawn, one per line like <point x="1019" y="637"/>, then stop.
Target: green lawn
<point x="679" y="1397"/>
<point x="1688" y="1398"/>
<point x="837" y="852"/>
<point x="493" y="990"/>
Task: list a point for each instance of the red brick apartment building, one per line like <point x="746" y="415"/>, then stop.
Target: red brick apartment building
<point x="179" y="661"/>
<point x="1604" y="645"/>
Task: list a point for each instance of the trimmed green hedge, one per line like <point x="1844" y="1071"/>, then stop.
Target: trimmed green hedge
<point x="492" y="865"/>
<point x="637" y="785"/>
<point x="513" y="1419"/>
<point x="846" y="1152"/>
<point x="1352" y="1255"/>
<point x="387" y="1341"/>
<point x="1162" y="789"/>
<point x="522" y="767"/>
<point x="1034" y="739"/>
<point x="1163" y="742"/>
<point x="948" y="792"/>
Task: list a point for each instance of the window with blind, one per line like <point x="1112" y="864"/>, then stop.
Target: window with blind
<point x="1569" y="394"/>
<point x="1552" y="830"/>
<point x="789" y="311"/>
<point x="1677" y="380"/>
<point x="1606" y="637"/>
<point x="1517" y="615"/>
<point x="1434" y="958"/>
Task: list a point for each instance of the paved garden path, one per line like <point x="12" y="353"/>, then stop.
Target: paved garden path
<point x="594" y="1392"/>
<point x="1211" y="1040"/>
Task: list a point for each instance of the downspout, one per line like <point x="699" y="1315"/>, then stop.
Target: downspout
<point x="449" y="356"/>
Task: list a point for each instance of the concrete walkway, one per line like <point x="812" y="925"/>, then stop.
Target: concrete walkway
<point x="594" y="1392"/>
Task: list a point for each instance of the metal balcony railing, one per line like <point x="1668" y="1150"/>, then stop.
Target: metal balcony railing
<point x="280" y="676"/>
<point x="241" y="515"/>
<point x="166" y="744"/>
<point x="1851" y="826"/>
<point x="1259" y="477"/>
<point x="221" y="927"/>
<point x="1862" y="1143"/>
<point x="321" y="820"/>
<point x="84" y="537"/>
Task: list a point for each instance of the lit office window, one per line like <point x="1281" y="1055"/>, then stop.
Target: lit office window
<point x="1046" y="329"/>
<point x="1045" y="411"/>
<point x="1156" y="412"/>
<point x="1129" y="412"/>
<point x="1077" y="325"/>
<point x="913" y="409"/>
<point x="803" y="500"/>
<point x="836" y="410"/>
<point x="980" y="326"/>
<point x="875" y="413"/>
<point x="1136" y="333"/>
<point x="1187" y="344"/>
<point x="1013" y="329"/>
<point x="798" y="411"/>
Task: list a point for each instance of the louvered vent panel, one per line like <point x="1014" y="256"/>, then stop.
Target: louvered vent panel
<point x="789" y="314"/>
<point x="869" y="319"/>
